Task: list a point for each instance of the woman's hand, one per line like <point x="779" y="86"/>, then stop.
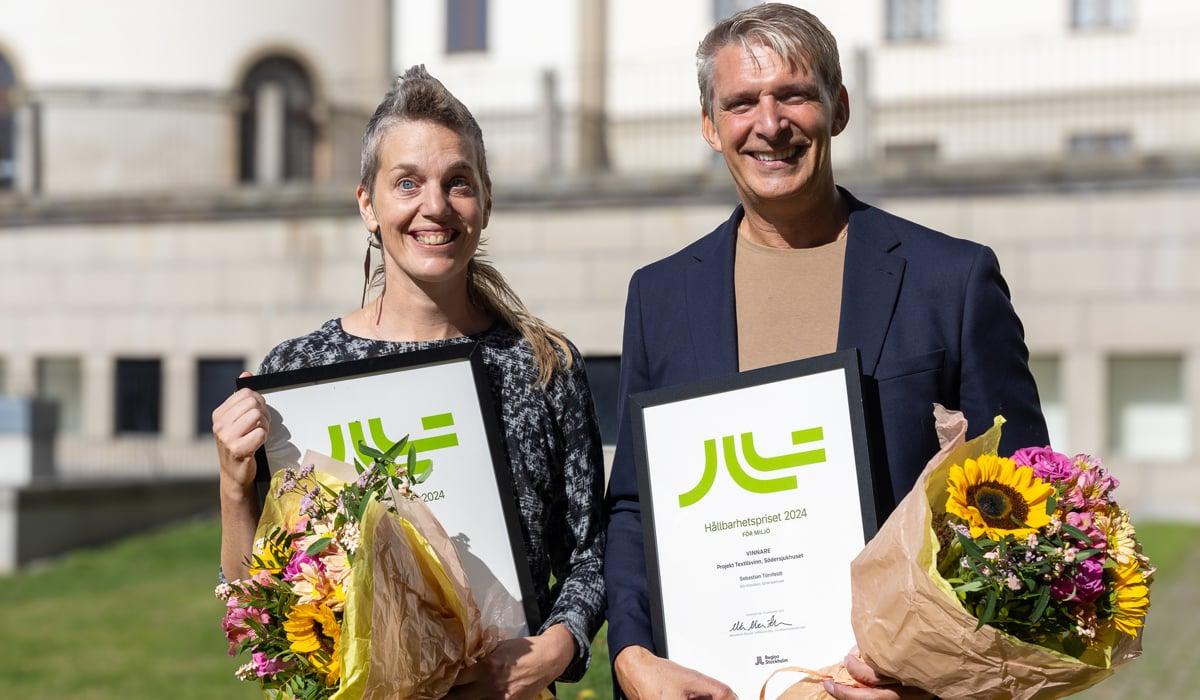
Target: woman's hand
<point x="240" y="425"/>
<point x="517" y="669"/>
<point x="863" y="673"/>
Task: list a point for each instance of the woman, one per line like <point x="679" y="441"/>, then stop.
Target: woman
<point x="425" y="197"/>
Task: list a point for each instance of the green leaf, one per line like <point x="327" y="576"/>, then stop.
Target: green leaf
<point x="1077" y="534"/>
<point x="969" y="546"/>
<point x="969" y="587"/>
<point x="369" y="451"/>
<point x="358" y="467"/>
<point x="989" y="611"/>
<point x="318" y="546"/>
<point x="1086" y="554"/>
<point x="1051" y="504"/>
<point x="394" y="451"/>
<point x="1042" y="602"/>
<point x="412" y="460"/>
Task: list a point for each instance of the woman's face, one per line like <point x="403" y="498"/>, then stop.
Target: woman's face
<point x="428" y="202"/>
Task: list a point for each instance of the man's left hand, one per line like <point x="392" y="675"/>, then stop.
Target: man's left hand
<point x="517" y="669"/>
<point x="878" y="687"/>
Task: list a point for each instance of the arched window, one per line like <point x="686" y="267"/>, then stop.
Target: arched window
<point x="8" y="162"/>
<point x="278" y="132"/>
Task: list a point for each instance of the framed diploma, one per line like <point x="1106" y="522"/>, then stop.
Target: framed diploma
<point x="756" y="494"/>
<point x="441" y="399"/>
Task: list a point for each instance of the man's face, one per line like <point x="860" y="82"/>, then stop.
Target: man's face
<point x="771" y="125"/>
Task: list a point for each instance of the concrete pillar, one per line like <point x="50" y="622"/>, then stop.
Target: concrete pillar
<point x="22" y="375"/>
<point x="1085" y="389"/>
<point x="269" y="114"/>
<point x="551" y="123"/>
<point x="179" y="398"/>
<point x="27" y="127"/>
<point x="861" y="107"/>
<point x="593" y="59"/>
<point x="99" y="397"/>
<point x="1191" y="398"/>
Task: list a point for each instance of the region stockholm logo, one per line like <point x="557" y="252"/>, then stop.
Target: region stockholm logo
<point x="381" y="442"/>
<point x="756" y="462"/>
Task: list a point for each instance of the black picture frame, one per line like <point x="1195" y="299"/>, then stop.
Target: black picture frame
<point x="846" y="360"/>
<point x="459" y="352"/>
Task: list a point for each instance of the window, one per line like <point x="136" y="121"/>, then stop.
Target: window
<point x="602" y="372"/>
<point x="723" y="9"/>
<point x="1102" y="143"/>
<point x="912" y="153"/>
<point x="215" y="381"/>
<point x="1148" y="412"/>
<point x="912" y="20"/>
<point x="60" y="379"/>
<point x="138" y="396"/>
<point x="1047" y="372"/>
<point x="8" y="163"/>
<point x="1100" y="14"/>
<point x="466" y="26"/>
<point x="278" y="132"/>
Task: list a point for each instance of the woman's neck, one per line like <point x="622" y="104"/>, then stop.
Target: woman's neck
<point x="413" y="310"/>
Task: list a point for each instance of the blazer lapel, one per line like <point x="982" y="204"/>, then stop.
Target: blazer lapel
<point x="710" y="303"/>
<point x="870" y="283"/>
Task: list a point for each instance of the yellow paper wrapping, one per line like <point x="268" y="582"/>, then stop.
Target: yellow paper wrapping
<point x="410" y="622"/>
<point x="909" y="625"/>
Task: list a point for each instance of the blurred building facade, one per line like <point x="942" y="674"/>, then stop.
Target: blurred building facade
<point x="176" y="189"/>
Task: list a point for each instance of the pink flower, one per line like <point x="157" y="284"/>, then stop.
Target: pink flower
<point x="264" y="666"/>
<point x="234" y="624"/>
<point x="1046" y="463"/>
<point x="1085" y="584"/>
<point x="295" y="567"/>
<point x="1083" y="522"/>
<point x="1090" y="488"/>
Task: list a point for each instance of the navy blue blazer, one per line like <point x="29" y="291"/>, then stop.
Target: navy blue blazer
<point x="929" y="314"/>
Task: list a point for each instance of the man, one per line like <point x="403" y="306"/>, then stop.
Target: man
<point x="802" y="268"/>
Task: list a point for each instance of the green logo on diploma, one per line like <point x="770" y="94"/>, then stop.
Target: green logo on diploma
<point x="337" y="440"/>
<point x="756" y="462"/>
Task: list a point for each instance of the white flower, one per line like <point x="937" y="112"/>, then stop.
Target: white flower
<point x="350" y="537"/>
<point x="1013" y="582"/>
<point x="224" y="591"/>
<point x="246" y="672"/>
<point x="992" y="555"/>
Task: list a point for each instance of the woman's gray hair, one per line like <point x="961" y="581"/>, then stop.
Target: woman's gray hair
<point x="796" y="35"/>
<point x="418" y="96"/>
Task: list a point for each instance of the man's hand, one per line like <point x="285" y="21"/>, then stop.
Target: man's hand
<point x="644" y="676"/>
<point x="517" y="669"/>
<point x="863" y="673"/>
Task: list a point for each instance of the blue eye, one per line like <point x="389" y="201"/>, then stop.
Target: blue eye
<point x="407" y="184"/>
<point x="459" y="182"/>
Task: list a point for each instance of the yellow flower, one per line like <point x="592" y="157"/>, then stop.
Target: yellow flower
<point x="1118" y="532"/>
<point x="313" y="630"/>
<point x="997" y="498"/>
<point x="1131" y="598"/>
<point x="268" y="556"/>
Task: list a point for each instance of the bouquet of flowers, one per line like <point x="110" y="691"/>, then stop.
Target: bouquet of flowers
<point x="355" y="591"/>
<point x="1002" y="577"/>
<point x="1036" y="546"/>
<point x="998" y="577"/>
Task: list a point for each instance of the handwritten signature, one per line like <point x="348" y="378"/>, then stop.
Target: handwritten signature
<point x="756" y="624"/>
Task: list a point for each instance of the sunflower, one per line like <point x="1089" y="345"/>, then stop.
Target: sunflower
<point x="997" y="498"/>
<point x="1131" y="598"/>
<point x="314" y="631"/>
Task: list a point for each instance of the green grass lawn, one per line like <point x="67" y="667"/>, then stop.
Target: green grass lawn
<point x="138" y="620"/>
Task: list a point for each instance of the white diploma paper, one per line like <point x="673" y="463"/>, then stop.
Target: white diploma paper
<point x="754" y="581"/>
